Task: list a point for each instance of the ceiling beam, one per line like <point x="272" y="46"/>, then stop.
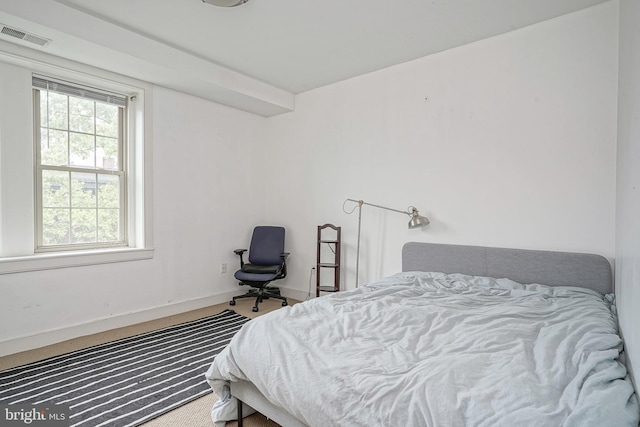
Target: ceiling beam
<point x="87" y="39"/>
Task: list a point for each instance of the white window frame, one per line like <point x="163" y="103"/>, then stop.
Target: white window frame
<point x="17" y="164"/>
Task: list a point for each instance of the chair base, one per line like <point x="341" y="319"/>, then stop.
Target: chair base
<point x="261" y="294"/>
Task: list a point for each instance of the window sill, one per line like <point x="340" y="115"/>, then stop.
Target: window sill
<point x="48" y="261"/>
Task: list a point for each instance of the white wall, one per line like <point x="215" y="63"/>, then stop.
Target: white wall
<point x="207" y="191"/>
<point x="506" y="142"/>
<point x="205" y="200"/>
<point x="509" y="142"/>
<point x="628" y="188"/>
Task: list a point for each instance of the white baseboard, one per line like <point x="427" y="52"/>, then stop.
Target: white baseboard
<point x="30" y="342"/>
<point x="296" y="294"/>
<point x="54" y="336"/>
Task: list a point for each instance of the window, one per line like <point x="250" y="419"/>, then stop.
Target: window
<point x="80" y="166"/>
<point x="75" y="165"/>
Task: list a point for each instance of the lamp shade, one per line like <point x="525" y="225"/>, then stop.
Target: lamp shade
<point x="417" y="220"/>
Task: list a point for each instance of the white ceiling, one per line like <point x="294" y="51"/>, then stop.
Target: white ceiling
<point x="259" y="55"/>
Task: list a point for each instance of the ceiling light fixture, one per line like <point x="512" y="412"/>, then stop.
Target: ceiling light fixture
<point x="225" y="3"/>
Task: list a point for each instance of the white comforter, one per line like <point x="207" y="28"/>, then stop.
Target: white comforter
<point x="428" y="349"/>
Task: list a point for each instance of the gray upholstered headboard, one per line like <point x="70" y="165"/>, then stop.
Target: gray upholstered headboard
<point x="524" y="266"/>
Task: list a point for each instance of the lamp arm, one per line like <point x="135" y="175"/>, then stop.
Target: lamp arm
<point x="361" y="202"/>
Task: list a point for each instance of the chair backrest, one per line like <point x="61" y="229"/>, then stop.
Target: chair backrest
<point x="267" y="243"/>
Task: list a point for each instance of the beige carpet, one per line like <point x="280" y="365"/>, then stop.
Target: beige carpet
<point x="194" y="414"/>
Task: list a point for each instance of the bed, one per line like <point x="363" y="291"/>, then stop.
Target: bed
<point x="463" y="336"/>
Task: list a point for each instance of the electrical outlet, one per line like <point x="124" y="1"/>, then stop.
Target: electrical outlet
<point x="223" y="267"/>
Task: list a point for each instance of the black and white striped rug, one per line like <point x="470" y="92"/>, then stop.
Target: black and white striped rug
<point x="129" y="381"/>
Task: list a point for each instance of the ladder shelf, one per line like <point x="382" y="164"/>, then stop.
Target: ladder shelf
<point x="330" y="262"/>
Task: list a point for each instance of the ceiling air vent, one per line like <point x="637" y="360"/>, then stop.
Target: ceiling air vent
<point x="23" y="35"/>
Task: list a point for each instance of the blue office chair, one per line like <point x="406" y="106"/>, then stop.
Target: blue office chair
<point x="267" y="262"/>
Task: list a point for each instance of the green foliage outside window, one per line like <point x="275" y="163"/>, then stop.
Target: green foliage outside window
<point x="82" y="205"/>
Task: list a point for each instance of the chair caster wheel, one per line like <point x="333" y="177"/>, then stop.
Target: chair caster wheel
<point x="284" y="303"/>
<point x="232" y="302"/>
<point x="254" y="309"/>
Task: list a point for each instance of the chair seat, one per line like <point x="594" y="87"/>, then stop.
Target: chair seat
<point x="260" y="269"/>
<point x="254" y="277"/>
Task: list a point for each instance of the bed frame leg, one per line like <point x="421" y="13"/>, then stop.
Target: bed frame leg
<point x="239" y="413"/>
